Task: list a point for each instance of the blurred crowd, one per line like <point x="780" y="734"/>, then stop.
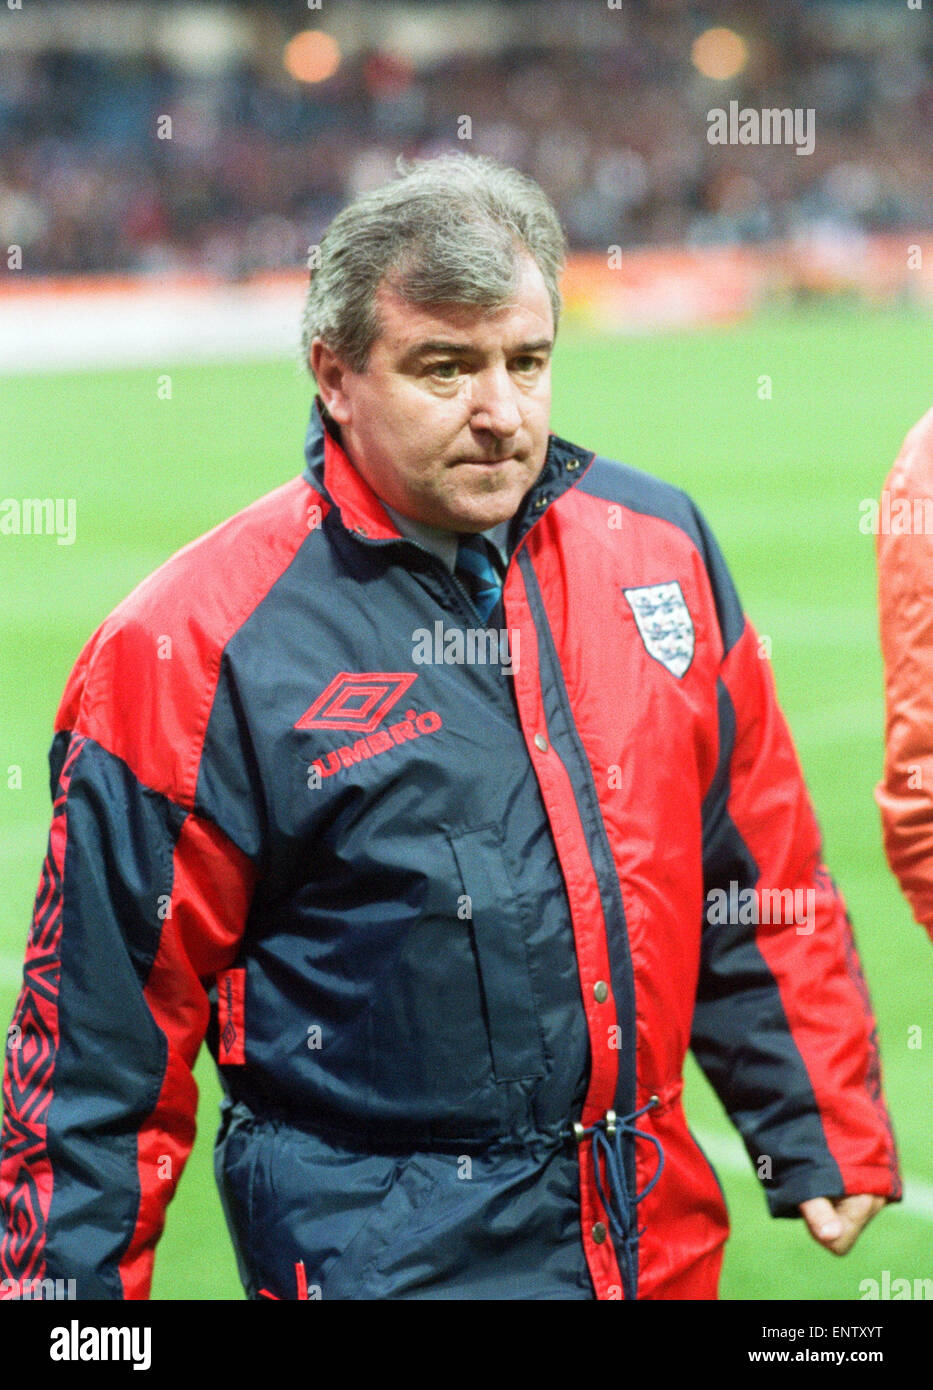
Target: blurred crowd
<point x="257" y="162"/>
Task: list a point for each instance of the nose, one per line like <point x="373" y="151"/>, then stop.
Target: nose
<point x="495" y="408"/>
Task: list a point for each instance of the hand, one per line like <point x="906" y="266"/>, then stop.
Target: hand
<point x="836" y="1223"/>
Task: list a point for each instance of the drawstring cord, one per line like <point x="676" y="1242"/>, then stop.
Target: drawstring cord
<point x="607" y="1137"/>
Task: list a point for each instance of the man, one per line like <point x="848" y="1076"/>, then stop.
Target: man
<point x="447" y="909"/>
<point x="905" y="592"/>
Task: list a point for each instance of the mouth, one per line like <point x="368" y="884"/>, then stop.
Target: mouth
<point x="485" y="462"/>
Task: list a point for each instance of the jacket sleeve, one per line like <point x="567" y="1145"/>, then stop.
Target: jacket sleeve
<point x="783" y="1026"/>
<point x="140" y="903"/>
<point x="905" y="603"/>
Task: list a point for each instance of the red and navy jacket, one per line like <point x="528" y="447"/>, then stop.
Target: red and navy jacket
<point x="449" y="923"/>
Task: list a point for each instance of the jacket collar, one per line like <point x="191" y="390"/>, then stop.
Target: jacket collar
<point x="329" y="470"/>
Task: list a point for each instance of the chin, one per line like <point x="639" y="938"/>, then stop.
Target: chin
<point x="487" y="507"/>
<point x="485" y="514"/>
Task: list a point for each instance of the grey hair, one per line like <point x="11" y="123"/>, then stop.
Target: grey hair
<point x="449" y="230"/>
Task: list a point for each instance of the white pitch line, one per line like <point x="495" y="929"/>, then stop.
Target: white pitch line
<point x="731" y="1158"/>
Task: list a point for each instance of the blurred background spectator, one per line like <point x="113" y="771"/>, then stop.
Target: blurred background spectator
<point x="279" y="113"/>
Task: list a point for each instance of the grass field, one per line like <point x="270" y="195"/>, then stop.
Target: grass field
<point x="780" y="480"/>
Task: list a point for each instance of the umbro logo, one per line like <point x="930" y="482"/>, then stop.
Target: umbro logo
<point x="357" y="702"/>
<point x="360" y="703"/>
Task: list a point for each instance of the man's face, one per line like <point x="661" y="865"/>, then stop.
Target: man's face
<point x="448" y="422"/>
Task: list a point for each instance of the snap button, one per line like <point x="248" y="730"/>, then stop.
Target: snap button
<point x="572" y="463"/>
<point x="600" y="991"/>
<point x="599" y="1232"/>
<point x="541" y="743"/>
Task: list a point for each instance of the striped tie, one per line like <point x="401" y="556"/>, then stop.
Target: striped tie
<point x="479" y="574"/>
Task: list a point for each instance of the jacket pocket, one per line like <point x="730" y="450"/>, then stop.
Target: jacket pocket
<point x="353" y="1221"/>
<point x="502" y="955"/>
<point x="391" y="1246"/>
<point x="242" y="1152"/>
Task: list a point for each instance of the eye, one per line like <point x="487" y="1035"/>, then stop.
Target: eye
<point x="527" y="363"/>
<point x="446" y="371"/>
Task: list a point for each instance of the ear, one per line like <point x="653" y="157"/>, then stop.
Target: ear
<point x="330" y="373"/>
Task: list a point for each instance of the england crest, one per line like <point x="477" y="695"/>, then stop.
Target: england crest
<point x="665" y="624"/>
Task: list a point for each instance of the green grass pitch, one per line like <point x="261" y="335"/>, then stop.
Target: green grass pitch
<point x="780" y="480"/>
